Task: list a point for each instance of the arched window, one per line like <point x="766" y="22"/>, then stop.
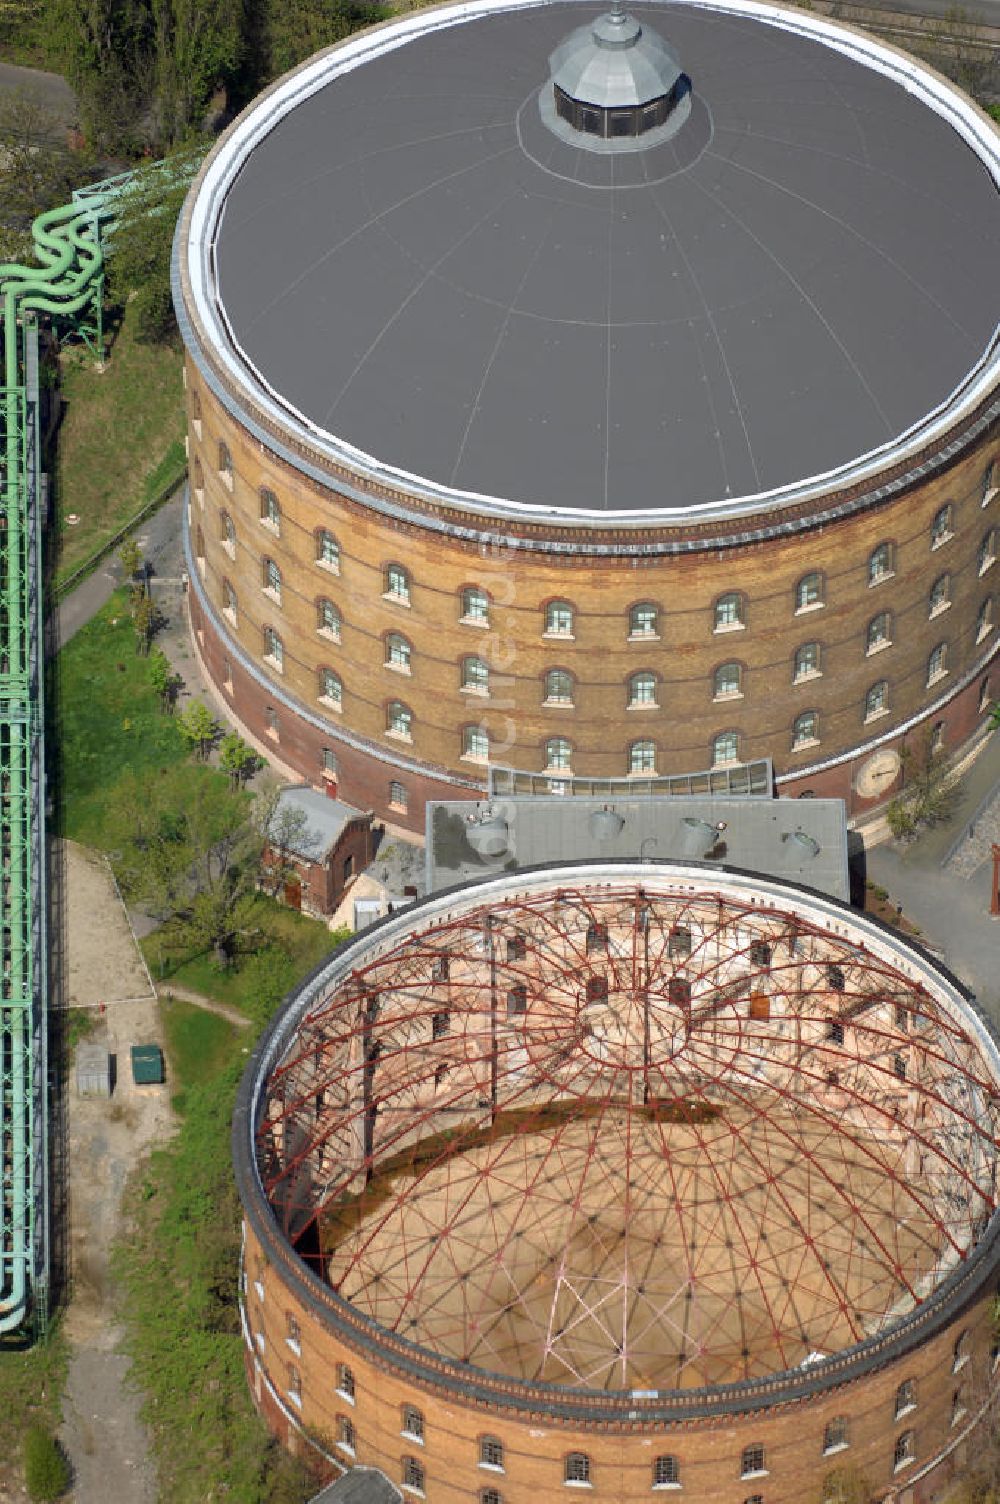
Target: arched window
<point x="346" y="1435"/>
<point x="328" y="619"/>
<point x="397" y="584"/>
<point x="809" y="592"/>
<point x="397" y="652"/>
<point x="880" y="563"/>
<point x="989" y="485"/>
<point x="725" y="748"/>
<point x="558" y="754"/>
<point x="196" y="414"/>
<point x="399" y="719"/>
<point x="942" y="525"/>
<point x="877" y="700"/>
<point x="879" y="633"/>
<point x="274" y="651"/>
<point x="835" y="1435"/>
<point x="642" y="757"/>
<point x="398" y="796"/>
<point x="597" y="938"/>
<point x="835" y="979"/>
<point x="270" y="511"/>
<point x="475" y="605"/>
<point x="517" y="1000"/>
<point x="558" y="619"/>
<point x="679" y="941"/>
<point x="729" y="612"/>
<point x="666" y="1472"/>
<point x="903" y="1452"/>
<point x="577" y="1468"/>
<point x="752" y="1461"/>
<point x="199" y="479"/>
<point x="490" y="1496"/>
<point x="227" y="533"/>
<point x="805" y="729"/>
<point x="959" y="1406"/>
<point x="230" y="604"/>
<point x="806" y="664"/>
<point x="987" y="551"/>
<point x="679" y="992"/>
<point x="327" y="551"/>
<point x="491" y="1447"/>
<point x="940" y="596"/>
<point x="558" y="687"/>
<point x="597" y="990"/>
<point x="937" y="663"/>
<point x="345" y="1381"/>
<point x="642" y="620"/>
<point x="413" y="1423"/>
<point x="225" y="464"/>
<point x="641" y="690"/>
<point x="294" y="1384"/>
<point x="272" y="580"/>
<point x="906" y="1398"/>
<point x="475" y="676"/>
<point x="413" y="1475"/>
<point x="760" y="953"/>
<point x="960" y="1352"/>
<point x="984" y="621"/>
<point x="937" y="737"/>
<point x="476" y="743"/>
<point x="727" y="682"/>
<point x="331" y="690"/>
<point x="984" y="694"/>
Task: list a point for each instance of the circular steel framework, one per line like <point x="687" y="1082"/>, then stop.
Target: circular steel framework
<point x="631" y="1129"/>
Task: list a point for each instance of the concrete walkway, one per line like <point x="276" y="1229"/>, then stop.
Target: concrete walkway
<point x="942" y="879"/>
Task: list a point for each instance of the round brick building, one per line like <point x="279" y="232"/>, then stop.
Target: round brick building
<point x="596" y="396"/>
<point x="629" y="1178"/>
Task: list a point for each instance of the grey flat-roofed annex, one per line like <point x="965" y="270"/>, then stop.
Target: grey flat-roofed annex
<point x="413" y="262"/>
<point x="799" y="841"/>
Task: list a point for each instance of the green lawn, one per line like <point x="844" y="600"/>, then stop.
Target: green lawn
<point x="121" y="436"/>
<point x="30" y="1387"/>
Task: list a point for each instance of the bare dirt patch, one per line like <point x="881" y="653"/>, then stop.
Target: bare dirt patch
<point x="102" y="1432"/>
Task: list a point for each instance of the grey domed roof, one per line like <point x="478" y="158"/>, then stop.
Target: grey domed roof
<point x="614" y="62"/>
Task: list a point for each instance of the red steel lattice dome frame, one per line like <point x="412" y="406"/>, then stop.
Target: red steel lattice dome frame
<point x="628" y="1130"/>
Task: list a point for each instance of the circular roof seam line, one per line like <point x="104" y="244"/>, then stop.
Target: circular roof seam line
<point x="217" y="176"/>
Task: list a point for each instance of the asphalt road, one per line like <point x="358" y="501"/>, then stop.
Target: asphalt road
<point x="48" y="88"/>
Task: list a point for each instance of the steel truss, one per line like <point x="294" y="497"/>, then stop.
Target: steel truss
<point x="617" y="1140"/>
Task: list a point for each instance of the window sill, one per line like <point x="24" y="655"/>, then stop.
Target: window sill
<point x="560" y="775"/>
<point x="658" y="1487"/>
<point x="558" y="705"/>
<point x="399" y="736"/>
<point x="343" y="1394"/>
<point x="337" y="705"/>
<point x="274" y="528"/>
<point x="196" y="429"/>
<point x="840" y="1446"/>
<point x="273" y="664"/>
<point x="230" y="616"/>
<point x="642" y="705"/>
<point x="987" y="564"/>
<point x="987" y="495"/>
<point x="296" y="1399"/>
<point x="906" y="1410"/>
<point x="938" y="610"/>
<point x="346" y="1448"/>
<point x="805" y="744"/>
<point x="201" y="565"/>
<point x="576" y="1483"/>
<point x="957" y="1366"/>
<point x="226" y="477"/>
<point x="732" y="694"/>
<point x="728" y="626"/>
<point x="558" y="636"/>
<point x="983" y="633"/>
<point x="932" y="679"/>
<point x="199" y="495"/>
<point x="474" y="689"/>
<point x="808" y="676"/>
<point x="411" y="1488"/>
<point x="229" y="548"/>
<point x="296" y="1347"/>
<point x="479" y="758"/>
<point x="259" y="1289"/>
<point x="642" y="773"/>
<point x="890" y="574"/>
<point x="647" y="637"/>
<point x="474" y="621"/>
<point x="809" y="606"/>
<point x="399" y="668"/>
<point x="878" y="647"/>
<point x="328" y="635"/>
<point x="876" y="715"/>
<point x="328" y="566"/>
<point x="901" y="1466"/>
<point x="396" y="600"/>
<point x="272" y="595"/>
<point x="729" y="762"/>
<point x="261" y="1342"/>
<point x="760" y="1473"/>
<point x="940" y="542"/>
<point x="412" y="1436"/>
<point x="492" y="1467"/>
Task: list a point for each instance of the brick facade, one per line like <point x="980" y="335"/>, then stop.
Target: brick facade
<point x="236" y="551"/>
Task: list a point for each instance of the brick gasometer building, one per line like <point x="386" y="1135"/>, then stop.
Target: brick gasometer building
<point x="597" y="403"/>
<point x="628" y="1178"/>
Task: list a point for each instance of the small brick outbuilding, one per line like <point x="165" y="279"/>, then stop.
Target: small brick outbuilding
<point x="321" y="843"/>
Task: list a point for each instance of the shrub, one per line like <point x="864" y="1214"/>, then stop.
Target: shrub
<point x="46" y="1471"/>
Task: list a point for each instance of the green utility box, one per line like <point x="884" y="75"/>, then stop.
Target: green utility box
<point x="147" y="1064"/>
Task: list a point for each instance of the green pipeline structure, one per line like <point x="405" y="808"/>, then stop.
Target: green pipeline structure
<point x="67" y="285"/>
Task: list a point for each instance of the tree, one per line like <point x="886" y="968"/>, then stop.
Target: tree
<point x="198" y="46"/>
<point x="237" y="759"/>
<point x="199" y="727"/>
<point x="139" y="249"/>
<point x="295" y="29"/>
<point x="163" y="680"/>
<point x="928" y="795"/>
<point x="994" y="717"/>
<point x="36" y="170"/>
<point x="145" y="619"/>
<point x="106" y="50"/>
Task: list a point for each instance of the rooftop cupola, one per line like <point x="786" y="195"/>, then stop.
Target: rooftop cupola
<point x="615" y="81"/>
